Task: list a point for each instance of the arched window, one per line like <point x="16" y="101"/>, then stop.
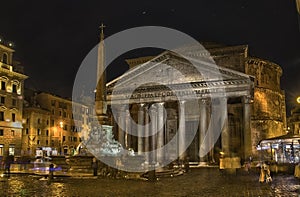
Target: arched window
<point x="4" y="58"/>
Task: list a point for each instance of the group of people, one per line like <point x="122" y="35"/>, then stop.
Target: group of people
<point x="264" y="167"/>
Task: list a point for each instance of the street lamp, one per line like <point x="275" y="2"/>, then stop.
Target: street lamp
<point x="61" y="124"/>
<point x="298" y="99"/>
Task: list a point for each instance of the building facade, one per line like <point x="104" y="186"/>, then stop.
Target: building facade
<point x="53" y="124"/>
<point x="36" y="133"/>
<point x="11" y="101"/>
<point x="268" y="118"/>
<point x="294" y="121"/>
<point x="255" y="106"/>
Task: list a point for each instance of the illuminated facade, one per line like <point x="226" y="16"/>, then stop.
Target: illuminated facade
<point x="268" y="117"/>
<point x="36" y="132"/>
<point x="294" y="121"/>
<point x="11" y="101"/>
<point x="52" y="125"/>
<point x="255" y="107"/>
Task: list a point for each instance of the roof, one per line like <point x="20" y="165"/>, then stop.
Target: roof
<point x="290" y="137"/>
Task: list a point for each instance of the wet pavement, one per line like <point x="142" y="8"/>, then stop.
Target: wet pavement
<point x="198" y="182"/>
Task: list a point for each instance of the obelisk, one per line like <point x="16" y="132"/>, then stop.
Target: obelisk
<point x="100" y="100"/>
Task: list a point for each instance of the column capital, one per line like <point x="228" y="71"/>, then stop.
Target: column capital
<point x="224" y="98"/>
<point x="121" y="107"/>
<point x="153" y="107"/>
<point x="204" y="101"/>
<point x="142" y="105"/>
<point x="160" y="104"/>
<point x="181" y="102"/>
<point x="247" y="99"/>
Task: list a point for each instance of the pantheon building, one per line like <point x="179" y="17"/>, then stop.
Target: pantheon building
<point x="216" y="101"/>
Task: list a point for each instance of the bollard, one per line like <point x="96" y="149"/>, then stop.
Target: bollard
<point x="152" y="175"/>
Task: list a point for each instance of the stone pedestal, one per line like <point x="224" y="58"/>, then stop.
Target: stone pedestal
<point x="80" y="163"/>
<point x="60" y="161"/>
<point x="230" y="163"/>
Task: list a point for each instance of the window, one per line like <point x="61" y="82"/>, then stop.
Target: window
<point x="47" y="142"/>
<point x="12" y="133"/>
<point x="1" y="116"/>
<point x="14" y="88"/>
<point x="52" y="123"/>
<point x="27" y="131"/>
<point x="39" y="121"/>
<point x="27" y="121"/>
<point x="47" y="132"/>
<point x="3" y="85"/>
<point x="59" y="113"/>
<point x="53" y="103"/>
<point x="13" y="117"/>
<point x="2" y="100"/>
<point x="47" y="122"/>
<point x="64" y="138"/>
<point x="38" y="142"/>
<point x="4" y="58"/>
<point x="75" y="139"/>
<point x="65" y="127"/>
<point x="14" y="102"/>
<point x="39" y="132"/>
<point x="64" y="114"/>
<point x="52" y="142"/>
<point x="1" y="132"/>
<point x="1" y="149"/>
<point x="11" y="149"/>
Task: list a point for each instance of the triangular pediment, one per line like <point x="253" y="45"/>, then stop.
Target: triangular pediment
<point x="171" y="69"/>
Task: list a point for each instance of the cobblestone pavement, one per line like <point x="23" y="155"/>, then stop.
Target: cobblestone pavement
<point x="198" y="182"/>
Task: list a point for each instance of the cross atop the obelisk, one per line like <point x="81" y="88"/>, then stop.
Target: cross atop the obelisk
<point x="102" y="31"/>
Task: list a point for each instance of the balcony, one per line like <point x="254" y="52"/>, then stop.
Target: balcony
<point x="6" y="66"/>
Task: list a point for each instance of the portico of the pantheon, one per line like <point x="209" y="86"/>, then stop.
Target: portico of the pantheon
<point x="198" y="114"/>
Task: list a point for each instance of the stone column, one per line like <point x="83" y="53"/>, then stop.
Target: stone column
<point x="128" y="130"/>
<point x="140" y="132"/>
<point x="203" y="130"/>
<point x="153" y="129"/>
<point x="160" y="134"/>
<point x="225" y="131"/>
<point x="247" y="127"/>
<point x="182" y="132"/>
<point x="121" y="120"/>
<point x="147" y="132"/>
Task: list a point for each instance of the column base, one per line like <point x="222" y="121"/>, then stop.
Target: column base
<point x="203" y="163"/>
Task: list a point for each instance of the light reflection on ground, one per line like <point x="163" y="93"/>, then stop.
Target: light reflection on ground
<point x="199" y="182"/>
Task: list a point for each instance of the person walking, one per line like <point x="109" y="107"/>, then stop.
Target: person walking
<point x="262" y="172"/>
<point x="95" y="166"/>
<point x="267" y="172"/>
<point x="8" y="160"/>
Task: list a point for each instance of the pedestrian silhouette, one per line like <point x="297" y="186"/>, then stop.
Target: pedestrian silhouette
<point x="8" y="160"/>
<point x="95" y="166"/>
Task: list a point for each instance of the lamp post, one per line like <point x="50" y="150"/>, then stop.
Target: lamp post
<point x="61" y="125"/>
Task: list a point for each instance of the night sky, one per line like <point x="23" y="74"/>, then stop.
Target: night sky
<point x="53" y="37"/>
